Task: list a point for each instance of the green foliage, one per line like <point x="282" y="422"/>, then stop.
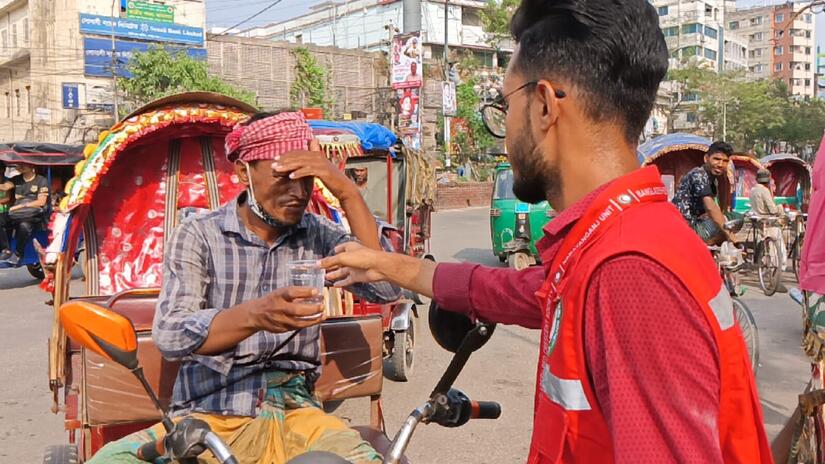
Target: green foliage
<point x="158" y="73"/>
<point x="309" y="89"/>
<point x="477" y="139"/>
<point x="496" y="17"/>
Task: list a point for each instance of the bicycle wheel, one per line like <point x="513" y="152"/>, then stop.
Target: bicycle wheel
<point x="770" y="274"/>
<point x="796" y="251"/>
<point x="750" y="333"/>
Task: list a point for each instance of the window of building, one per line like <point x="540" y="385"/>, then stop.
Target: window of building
<point x="780" y="17"/>
<point x="691" y="117"/>
<point x="663" y="10"/>
<point x="4" y="38"/>
<point x="470" y="17"/>
<point x="14" y="35"/>
<point x="756" y="53"/>
<point x="757" y="21"/>
<point x="809" y="18"/>
<point x="8" y="105"/>
<point x="28" y="99"/>
<point x="780" y="33"/>
<point x="807" y="34"/>
<point x="758" y="36"/>
<point x="777" y="50"/>
<point x="807" y="82"/>
<point x="807" y="66"/>
<point x="17" y="100"/>
<point x="25" y="23"/>
<point x="711" y="32"/>
<point x="710" y="54"/>
<point x="690" y="51"/>
<point x="777" y="67"/>
<point x="733" y="25"/>
<point x="691" y="28"/>
<point x="807" y="50"/>
<point x="690" y="97"/>
<point x="672" y="31"/>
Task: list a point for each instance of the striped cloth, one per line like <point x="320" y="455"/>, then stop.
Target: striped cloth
<point x="213" y="262"/>
<point x="269" y="137"/>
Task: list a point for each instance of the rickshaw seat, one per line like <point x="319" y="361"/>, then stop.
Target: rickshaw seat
<point x="352" y="366"/>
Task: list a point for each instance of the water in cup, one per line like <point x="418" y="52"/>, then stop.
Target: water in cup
<point x="307" y="273"/>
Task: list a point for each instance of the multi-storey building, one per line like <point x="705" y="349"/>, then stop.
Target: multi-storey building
<point x="57" y="58"/>
<point x="782" y="44"/>
<point x="361" y="24"/>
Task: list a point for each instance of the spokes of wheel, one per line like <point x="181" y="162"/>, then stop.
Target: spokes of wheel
<point x="770" y="272"/>
<point x="750" y="333"/>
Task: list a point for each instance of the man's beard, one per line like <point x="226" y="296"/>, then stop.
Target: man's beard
<point x="534" y="180"/>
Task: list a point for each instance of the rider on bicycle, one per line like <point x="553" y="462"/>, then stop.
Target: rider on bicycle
<point x="696" y="195"/>
<point x="763" y="205"/>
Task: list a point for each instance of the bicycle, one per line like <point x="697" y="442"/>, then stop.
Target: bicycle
<point x="795" y="233"/>
<point x="741" y="313"/>
<point x="765" y="256"/>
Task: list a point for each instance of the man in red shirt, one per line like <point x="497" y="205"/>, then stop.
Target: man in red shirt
<point x="577" y="93"/>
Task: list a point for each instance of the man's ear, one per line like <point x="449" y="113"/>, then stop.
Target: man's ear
<point x="241" y="172"/>
<point x="547" y="110"/>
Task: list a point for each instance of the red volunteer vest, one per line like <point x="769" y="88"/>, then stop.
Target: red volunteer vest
<point x="630" y="216"/>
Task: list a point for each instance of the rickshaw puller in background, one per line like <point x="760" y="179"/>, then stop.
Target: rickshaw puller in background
<point x="622" y="272"/>
<point x="763" y="204"/>
<point x="31" y="196"/>
<point x="226" y="308"/>
<point x="697" y="193"/>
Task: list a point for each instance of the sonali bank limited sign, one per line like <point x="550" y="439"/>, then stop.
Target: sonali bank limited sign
<point x="141" y="30"/>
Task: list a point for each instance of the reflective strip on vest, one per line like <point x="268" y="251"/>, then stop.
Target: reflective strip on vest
<point x="722" y="307"/>
<point x="568" y="393"/>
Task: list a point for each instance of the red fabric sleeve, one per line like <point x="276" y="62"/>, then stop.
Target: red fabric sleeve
<point x="654" y="364"/>
<point x="498" y="295"/>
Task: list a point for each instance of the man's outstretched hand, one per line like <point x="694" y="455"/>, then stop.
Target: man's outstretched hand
<point x="354" y="263"/>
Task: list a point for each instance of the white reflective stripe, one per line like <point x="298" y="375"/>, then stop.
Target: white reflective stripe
<point x="568" y="393"/>
<point x="722" y="307"/>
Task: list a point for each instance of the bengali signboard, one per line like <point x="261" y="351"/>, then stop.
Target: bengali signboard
<point x="407" y="69"/>
<point x="150" y="11"/>
<point x="97" y="55"/>
<point x="140" y="30"/>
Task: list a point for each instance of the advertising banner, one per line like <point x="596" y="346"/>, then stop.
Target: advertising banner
<point x="97" y="55"/>
<point x="150" y="11"/>
<point x="407" y="69"/>
<point x="141" y="30"/>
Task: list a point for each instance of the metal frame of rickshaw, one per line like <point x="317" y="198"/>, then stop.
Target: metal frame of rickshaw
<point x="40" y="156"/>
<point x="803" y="171"/>
<point x="101" y="401"/>
<point x="743" y="162"/>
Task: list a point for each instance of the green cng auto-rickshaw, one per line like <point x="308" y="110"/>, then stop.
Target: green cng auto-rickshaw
<point x="515" y="226"/>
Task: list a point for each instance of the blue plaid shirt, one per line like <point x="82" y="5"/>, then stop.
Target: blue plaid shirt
<point x="213" y="263"/>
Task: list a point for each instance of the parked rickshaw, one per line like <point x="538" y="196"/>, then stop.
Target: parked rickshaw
<point x="744" y="168"/>
<point x="56" y="163"/>
<point x="398" y="185"/>
<point x="791" y="177"/>
<point x="160" y="164"/>
<point x="515" y="226"/>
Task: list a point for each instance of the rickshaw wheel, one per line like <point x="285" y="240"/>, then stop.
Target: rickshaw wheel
<point x="770" y="274"/>
<point x="399" y="366"/>
<point x="61" y="454"/>
<point x="36" y="271"/>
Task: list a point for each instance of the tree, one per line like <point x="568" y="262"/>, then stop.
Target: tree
<point x="158" y="73"/>
<point x="685" y="84"/>
<point x="311" y="81"/>
<point x="495" y="17"/>
<point x="476" y="139"/>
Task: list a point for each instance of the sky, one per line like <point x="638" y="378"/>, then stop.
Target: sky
<point x="230" y="12"/>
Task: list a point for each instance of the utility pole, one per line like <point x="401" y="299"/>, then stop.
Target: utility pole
<point x="447" y="119"/>
<point x="115" y="9"/>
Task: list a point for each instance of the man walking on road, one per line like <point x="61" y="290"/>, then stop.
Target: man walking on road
<point x="640" y="357"/>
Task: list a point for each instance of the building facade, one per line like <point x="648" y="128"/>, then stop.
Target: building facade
<point x="57" y="58"/>
<point x="782" y="45"/>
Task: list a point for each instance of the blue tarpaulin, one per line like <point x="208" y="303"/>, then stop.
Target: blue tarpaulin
<point x="373" y="136"/>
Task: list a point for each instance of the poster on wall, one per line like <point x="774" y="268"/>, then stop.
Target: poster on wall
<point x="409" y="116"/>
<point x="407" y="69"/>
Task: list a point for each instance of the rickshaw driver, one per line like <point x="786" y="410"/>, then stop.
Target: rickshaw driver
<point x="696" y="195"/>
<point x="762" y="204"/>
<point x="620" y="268"/>
<point x="226" y="309"/>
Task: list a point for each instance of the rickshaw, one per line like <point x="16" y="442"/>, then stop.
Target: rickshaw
<point x="55" y="162"/>
<point x="744" y="168"/>
<point x="791" y="179"/>
<point x="158" y="165"/>
<point x="515" y="226"/>
<point x="398" y="185"/>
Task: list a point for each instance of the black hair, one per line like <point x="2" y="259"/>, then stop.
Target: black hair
<point x="267" y="114"/>
<point x="612" y="51"/>
<point x="720" y="147"/>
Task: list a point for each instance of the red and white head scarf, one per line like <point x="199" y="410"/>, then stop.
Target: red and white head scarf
<point x="269" y="137"/>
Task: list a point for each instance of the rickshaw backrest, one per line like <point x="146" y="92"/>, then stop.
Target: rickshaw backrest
<point x="351" y="360"/>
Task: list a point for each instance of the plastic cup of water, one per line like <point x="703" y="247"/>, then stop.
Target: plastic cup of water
<point x="307" y="273"/>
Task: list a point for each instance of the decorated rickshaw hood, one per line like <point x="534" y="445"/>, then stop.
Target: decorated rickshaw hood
<point x="652" y="149"/>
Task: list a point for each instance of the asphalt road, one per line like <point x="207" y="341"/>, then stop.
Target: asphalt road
<point x="503" y="370"/>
